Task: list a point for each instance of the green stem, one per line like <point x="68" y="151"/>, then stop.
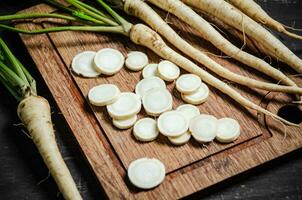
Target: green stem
<point x="35" y="15"/>
<point x="10" y="88"/>
<point x="78" y="14"/>
<point x="92" y="9"/>
<point x="83" y="17"/>
<point x="110" y="29"/>
<point x="13" y="61"/>
<point x="11" y="77"/>
<point x="126" y="25"/>
<point x="92" y="14"/>
<point x="1" y="56"/>
<point x="30" y="79"/>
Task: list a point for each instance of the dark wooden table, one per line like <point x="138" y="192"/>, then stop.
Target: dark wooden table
<point x="24" y="176"/>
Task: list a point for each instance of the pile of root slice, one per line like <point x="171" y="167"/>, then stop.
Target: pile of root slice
<point x="151" y="94"/>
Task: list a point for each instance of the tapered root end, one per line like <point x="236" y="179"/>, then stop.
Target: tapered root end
<point x="284" y="121"/>
<point x="292" y="35"/>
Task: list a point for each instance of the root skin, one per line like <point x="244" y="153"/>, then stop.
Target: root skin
<point x="34" y="112"/>
<point x="234" y="17"/>
<point x="143" y="35"/>
<point x="141" y="10"/>
<point x="209" y="33"/>
<point x="254" y="11"/>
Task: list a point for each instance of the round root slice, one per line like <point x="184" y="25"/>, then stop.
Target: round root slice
<point x="168" y="70"/>
<point x="109" y="61"/>
<point x="146" y="173"/>
<point x="198" y="97"/>
<point x="172" y="124"/>
<point x="127" y="105"/>
<point x="82" y="64"/>
<point x="228" y="130"/>
<point x="103" y="95"/>
<point x="180" y="140"/>
<point x="189" y="111"/>
<point x="145" y="130"/>
<point x="157" y="101"/>
<point x="188" y="83"/>
<point x="203" y="128"/>
<point x="150" y="70"/>
<point x="124" y="123"/>
<point x="147" y="84"/>
<point x="136" y="60"/>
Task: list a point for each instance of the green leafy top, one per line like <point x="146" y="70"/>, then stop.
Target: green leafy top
<point x="13" y="75"/>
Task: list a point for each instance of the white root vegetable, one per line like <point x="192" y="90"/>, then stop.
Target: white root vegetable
<point x="104" y="94"/>
<point x="150" y="70"/>
<point x="232" y="16"/>
<point x="228" y="130"/>
<point x="147" y="84"/>
<point x="124" y="123"/>
<point x="254" y="11"/>
<point x="203" y="128"/>
<point x="208" y="32"/>
<point x="157" y="101"/>
<point x="168" y="70"/>
<point x="34" y="112"/>
<point x="189" y="111"/>
<point x="145" y="130"/>
<point x="127" y="105"/>
<point x="146" y="173"/>
<point x="82" y="64"/>
<point x="172" y="124"/>
<point x="144" y="12"/>
<point x="136" y="60"/>
<point x="180" y="140"/>
<point x="109" y="61"/>
<point x="188" y="83"/>
<point x="198" y="97"/>
<point x="142" y="35"/>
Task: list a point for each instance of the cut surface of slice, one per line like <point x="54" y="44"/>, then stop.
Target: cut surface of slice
<point x="109" y="61"/>
<point x="145" y="130"/>
<point x="150" y="70"/>
<point x="172" y="124"/>
<point x="147" y="84"/>
<point x="203" y="128"/>
<point x="127" y="105"/>
<point x="168" y="71"/>
<point x="189" y="111"/>
<point x="124" y="123"/>
<point x="83" y="65"/>
<point x="198" y="97"/>
<point x="180" y="140"/>
<point x="136" y="60"/>
<point x="104" y="94"/>
<point x="228" y="130"/>
<point x="188" y="83"/>
<point x="157" y="101"/>
<point x="146" y="173"/>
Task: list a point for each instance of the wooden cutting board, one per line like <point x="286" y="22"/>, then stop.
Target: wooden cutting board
<point x="109" y="151"/>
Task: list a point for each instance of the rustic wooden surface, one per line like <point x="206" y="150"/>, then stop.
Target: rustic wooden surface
<point x="56" y="60"/>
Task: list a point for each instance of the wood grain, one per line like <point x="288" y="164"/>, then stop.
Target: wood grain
<point x="109" y="151"/>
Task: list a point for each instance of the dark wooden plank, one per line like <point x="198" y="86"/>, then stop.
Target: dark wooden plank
<point x="187" y="177"/>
